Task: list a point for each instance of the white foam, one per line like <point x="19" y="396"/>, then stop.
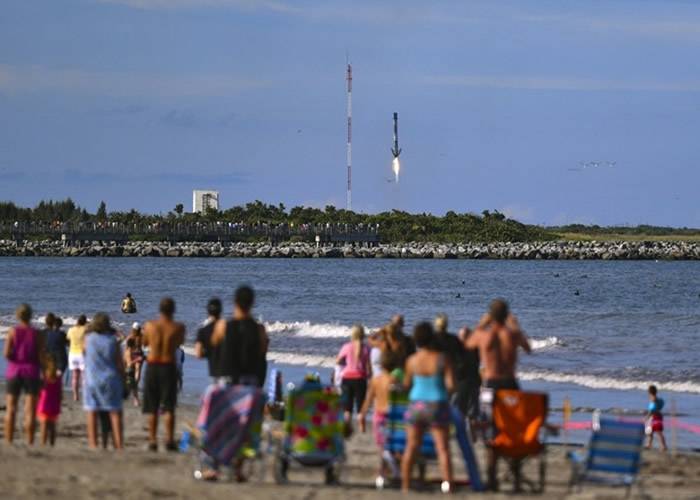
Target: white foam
<point x="291" y="358"/>
<point x="308" y="329"/>
<point x="595" y="382"/>
<point x="546" y="343"/>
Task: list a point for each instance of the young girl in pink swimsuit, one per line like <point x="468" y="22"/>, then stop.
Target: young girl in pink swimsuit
<point x="49" y="407"/>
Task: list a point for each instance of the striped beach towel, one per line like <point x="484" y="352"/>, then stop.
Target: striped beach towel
<point x="227" y="418"/>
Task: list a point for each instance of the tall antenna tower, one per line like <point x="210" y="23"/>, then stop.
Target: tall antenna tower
<point x="349" y="80"/>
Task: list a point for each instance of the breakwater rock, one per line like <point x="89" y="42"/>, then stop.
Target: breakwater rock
<point x="560" y="250"/>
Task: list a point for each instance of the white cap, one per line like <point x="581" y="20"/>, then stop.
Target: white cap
<point x="136" y="325"/>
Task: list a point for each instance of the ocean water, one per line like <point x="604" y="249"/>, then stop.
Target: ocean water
<point x="601" y="331"/>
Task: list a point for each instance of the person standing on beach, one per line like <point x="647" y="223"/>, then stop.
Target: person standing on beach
<point x="76" y="361"/>
<point x="163" y="336"/>
<point x="468" y="387"/>
<point x="203" y="347"/>
<point x="355" y="358"/>
<point x="497" y="339"/>
<point x="103" y="388"/>
<point x="49" y="405"/>
<point x="466" y="383"/>
<point x="429" y="378"/>
<point x="243" y="343"/>
<point x="398" y="324"/>
<point x="24" y="347"/>
<point x="655" y="419"/>
<point x="56" y="343"/>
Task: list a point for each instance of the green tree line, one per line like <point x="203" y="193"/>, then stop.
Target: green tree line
<point x="394" y="226"/>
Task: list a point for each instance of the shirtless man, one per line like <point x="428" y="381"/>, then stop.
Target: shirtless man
<point x="497" y="338"/>
<point x="163" y="337"/>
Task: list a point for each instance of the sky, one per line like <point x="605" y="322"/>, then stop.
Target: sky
<point x="138" y="102"/>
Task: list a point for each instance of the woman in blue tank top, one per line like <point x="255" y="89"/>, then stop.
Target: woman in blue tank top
<point x="429" y="378"/>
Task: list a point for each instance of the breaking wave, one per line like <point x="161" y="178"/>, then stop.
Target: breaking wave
<point x="607" y="382"/>
<point x="308" y="329"/>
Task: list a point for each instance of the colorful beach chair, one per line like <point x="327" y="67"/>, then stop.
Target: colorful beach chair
<point x="613" y="455"/>
<point x="519" y="425"/>
<point x="229" y="428"/>
<point x="313" y="432"/>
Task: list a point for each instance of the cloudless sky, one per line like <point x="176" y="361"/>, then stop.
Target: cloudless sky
<point x="138" y="102"/>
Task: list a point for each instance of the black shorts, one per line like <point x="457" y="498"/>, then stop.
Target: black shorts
<point x="502" y="384"/>
<point x="160" y="388"/>
<point x="354" y="391"/>
<point x="18" y="385"/>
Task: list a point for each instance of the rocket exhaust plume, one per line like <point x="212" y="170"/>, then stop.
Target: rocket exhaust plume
<point x="396" y="167"/>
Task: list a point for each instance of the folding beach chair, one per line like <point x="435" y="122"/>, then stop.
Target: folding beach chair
<point x="395" y="439"/>
<point x="313" y="431"/>
<point x="613" y="455"/>
<point x="519" y="420"/>
<point x="229" y="428"/>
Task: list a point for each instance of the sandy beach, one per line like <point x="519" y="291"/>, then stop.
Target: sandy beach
<point x="71" y="471"/>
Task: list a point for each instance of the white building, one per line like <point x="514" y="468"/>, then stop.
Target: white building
<point x="203" y="200"/>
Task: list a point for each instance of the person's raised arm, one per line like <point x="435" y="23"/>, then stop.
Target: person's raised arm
<point x="522" y="339"/>
<point x="199" y="349"/>
<point x="217" y="337"/>
<point x="472" y="341"/>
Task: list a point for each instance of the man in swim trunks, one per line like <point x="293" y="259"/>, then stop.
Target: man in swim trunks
<point x="163" y="336"/>
<point x="498" y="338"/>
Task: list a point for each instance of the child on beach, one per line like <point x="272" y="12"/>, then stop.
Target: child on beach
<point x="49" y="406"/>
<point x="378" y="395"/>
<point x="132" y="358"/>
<point x="655" y="419"/>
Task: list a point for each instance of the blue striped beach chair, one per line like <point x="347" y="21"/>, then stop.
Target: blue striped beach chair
<point x="613" y="456"/>
<point x="395" y="439"/>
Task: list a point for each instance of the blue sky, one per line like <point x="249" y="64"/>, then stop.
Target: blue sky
<point x="138" y="102"/>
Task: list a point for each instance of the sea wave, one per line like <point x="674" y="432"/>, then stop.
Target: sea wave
<point x="546" y="343"/>
<point x="308" y="329"/>
<point x="609" y="382"/>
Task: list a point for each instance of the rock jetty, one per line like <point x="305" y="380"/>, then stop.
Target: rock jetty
<point x="557" y="250"/>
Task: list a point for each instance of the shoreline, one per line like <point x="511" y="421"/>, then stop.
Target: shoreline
<point x="545" y="250"/>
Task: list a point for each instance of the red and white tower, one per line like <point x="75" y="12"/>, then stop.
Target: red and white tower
<point x="349" y="80"/>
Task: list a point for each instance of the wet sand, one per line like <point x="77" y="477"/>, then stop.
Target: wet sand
<point x="71" y="471"/>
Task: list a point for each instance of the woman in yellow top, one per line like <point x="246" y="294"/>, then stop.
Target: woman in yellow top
<point x="76" y="360"/>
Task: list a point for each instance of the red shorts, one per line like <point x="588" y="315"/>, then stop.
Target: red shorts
<point x="657" y="424"/>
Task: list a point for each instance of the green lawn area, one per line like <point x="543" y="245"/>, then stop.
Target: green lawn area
<point x="627" y="237"/>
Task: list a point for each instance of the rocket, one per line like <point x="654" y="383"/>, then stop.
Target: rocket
<point x="396" y="150"/>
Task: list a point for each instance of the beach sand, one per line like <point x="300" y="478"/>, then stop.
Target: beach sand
<point x="71" y="471"/>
